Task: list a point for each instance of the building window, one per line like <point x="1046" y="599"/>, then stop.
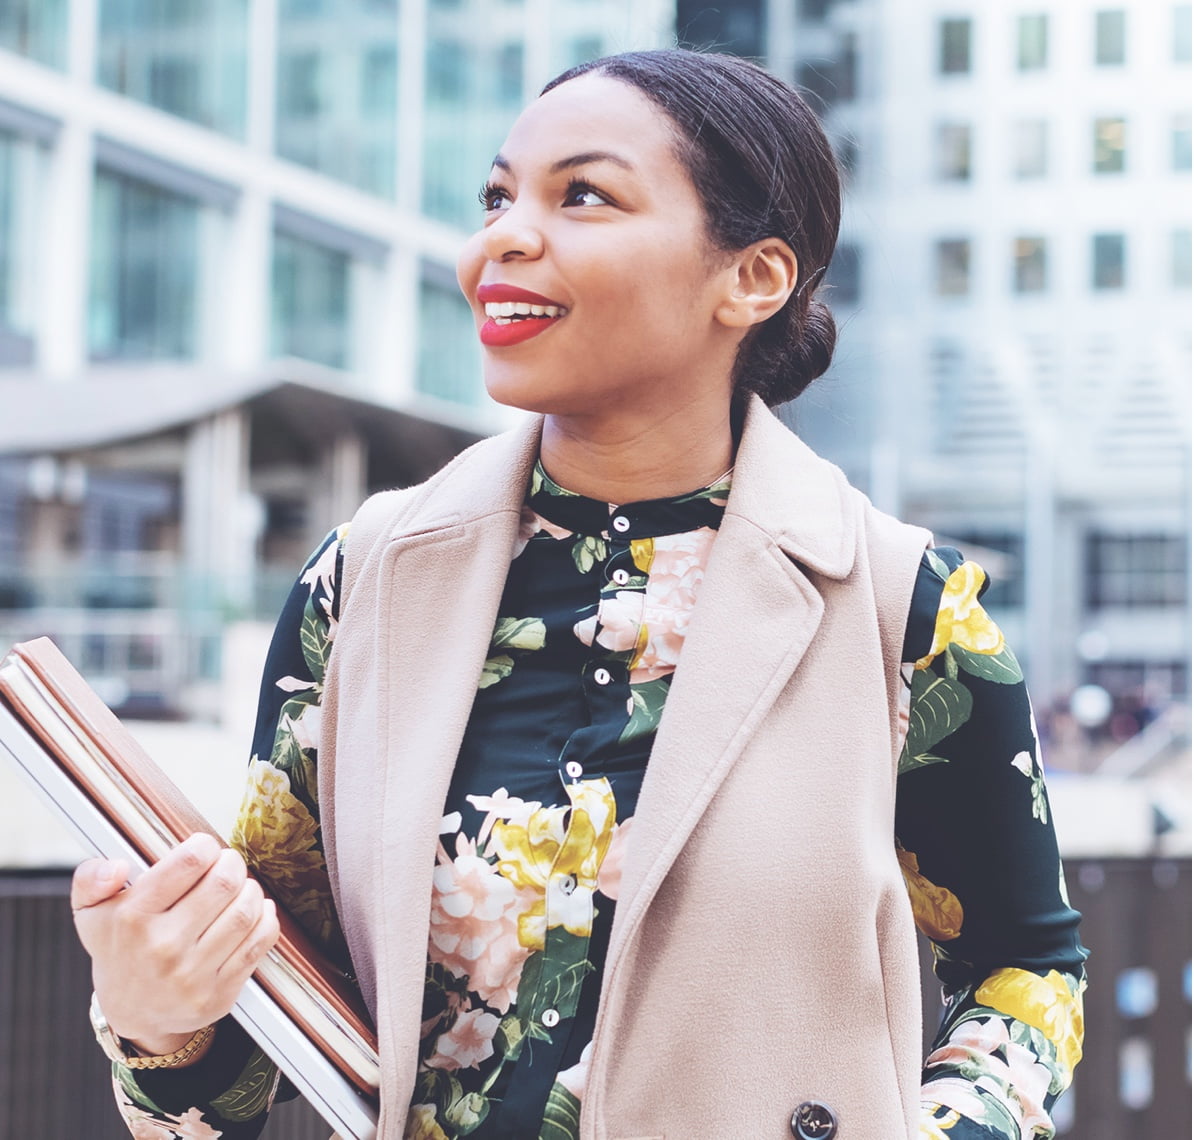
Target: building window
<point x="1111" y="47"/>
<point x="1180" y="143"/>
<point x="955" y="46"/>
<point x="1032" y="42"/>
<point x="1109" y="139"/>
<point x="144" y="271"/>
<point x="847" y="68"/>
<point x="379" y="81"/>
<point x="1108" y="255"/>
<point x="1031" y="267"/>
<point x="1179" y="261"/>
<point x="953" y="152"/>
<point x="818" y="78"/>
<point x="1001" y="555"/>
<point x="1030" y="148"/>
<point x="298" y="86"/>
<point x="815" y="11"/>
<point x="311" y="301"/>
<point x="1135" y="570"/>
<point x="953" y="267"/>
<point x="36" y="29"/>
<point x="189" y="59"/>
<point x="1181" y="33"/>
<point x="845" y="275"/>
<point x="449" y="352"/>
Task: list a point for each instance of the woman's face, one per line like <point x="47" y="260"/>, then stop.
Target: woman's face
<point x="592" y="279"/>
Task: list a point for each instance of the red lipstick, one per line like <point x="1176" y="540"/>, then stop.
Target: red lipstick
<point x="503" y="333"/>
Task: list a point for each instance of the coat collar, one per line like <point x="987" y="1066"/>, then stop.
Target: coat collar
<point x="780" y="486"/>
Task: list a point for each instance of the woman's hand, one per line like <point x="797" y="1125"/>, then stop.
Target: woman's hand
<point x="170" y="953"/>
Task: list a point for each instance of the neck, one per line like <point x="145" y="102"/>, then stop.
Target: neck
<point x="625" y="458"/>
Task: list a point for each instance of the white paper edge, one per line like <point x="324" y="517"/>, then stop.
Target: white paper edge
<point x="329" y="1092"/>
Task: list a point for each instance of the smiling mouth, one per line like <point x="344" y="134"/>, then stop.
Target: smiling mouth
<point x="512" y="312"/>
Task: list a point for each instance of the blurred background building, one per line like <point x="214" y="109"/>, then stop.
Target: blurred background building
<point x="228" y="309"/>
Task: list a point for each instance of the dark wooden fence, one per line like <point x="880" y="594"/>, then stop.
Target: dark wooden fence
<point x="1134" y="1080"/>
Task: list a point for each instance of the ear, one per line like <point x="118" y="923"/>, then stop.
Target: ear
<point x="760" y="281"/>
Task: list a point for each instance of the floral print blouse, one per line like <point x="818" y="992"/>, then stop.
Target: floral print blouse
<point x="541" y="807"/>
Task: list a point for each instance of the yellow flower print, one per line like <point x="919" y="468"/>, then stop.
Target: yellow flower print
<point x="935" y="1128"/>
<point x="421" y="1125"/>
<point x="557" y="854"/>
<point x="276" y="835"/>
<point x="1044" y="1003"/>
<point x="936" y="910"/>
<point x="961" y="619"/>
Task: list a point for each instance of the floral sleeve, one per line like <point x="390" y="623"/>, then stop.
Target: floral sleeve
<point x="229" y="1092"/>
<point x="980" y="861"/>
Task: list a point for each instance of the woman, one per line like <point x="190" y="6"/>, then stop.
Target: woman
<point x="557" y="938"/>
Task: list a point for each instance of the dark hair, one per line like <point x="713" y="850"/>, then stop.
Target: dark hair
<point x="761" y="163"/>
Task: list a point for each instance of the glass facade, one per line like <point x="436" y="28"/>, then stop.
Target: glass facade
<point x="1179" y="259"/>
<point x="953" y="267"/>
<point x="954" y="44"/>
<point x="476" y="83"/>
<point x="449" y="351"/>
<point x="1032" y="42"/>
<point x="1108" y="257"/>
<point x="1111" y="37"/>
<point x="953" y="152"/>
<point x="1030" y="272"/>
<point x="1109" y="145"/>
<point x="337" y="89"/>
<point x="21" y="169"/>
<point x="187" y="57"/>
<point x="1030" y="148"/>
<point x="1181" y="33"/>
<point x="1179" y="145"/>
<point x="36" y="29"/>
<point x="145" y="271"/>
<point x="311" y="301"/>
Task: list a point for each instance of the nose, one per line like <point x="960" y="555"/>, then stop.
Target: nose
<point x="512" y="235"/>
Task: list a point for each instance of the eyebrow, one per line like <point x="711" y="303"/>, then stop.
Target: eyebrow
<point x="585" y="158"/>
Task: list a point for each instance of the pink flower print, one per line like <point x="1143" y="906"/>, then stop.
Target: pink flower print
<point x="530" y="523"/>
<point x="467" y="1043"/>
<point x="146" y="1126"/>
<point x="677" y="571"/>
<point x="609" y="875"/>
<point x="474" y="927"/>
<point x="620" y="617"/>
<point x="575" y="1078"/>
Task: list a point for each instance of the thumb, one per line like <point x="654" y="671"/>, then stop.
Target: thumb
<point x="96" y="881"/>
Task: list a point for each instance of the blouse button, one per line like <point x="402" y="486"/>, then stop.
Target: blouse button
<point x="621" y="524"/>
<point x="602" y="677"/>
<point x="550" y="1018"/>
<point x="568" y="884"/>
<point x="620" y="577"/>
<point x="575" y="769"/>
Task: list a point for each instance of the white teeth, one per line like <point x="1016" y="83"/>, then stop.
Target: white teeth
<point x="499" y="309"/>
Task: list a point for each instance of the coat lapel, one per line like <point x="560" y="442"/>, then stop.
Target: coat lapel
<point x="789" y="514"/>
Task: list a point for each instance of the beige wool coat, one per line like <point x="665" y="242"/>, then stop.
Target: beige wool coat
<point x="763" y="950"/>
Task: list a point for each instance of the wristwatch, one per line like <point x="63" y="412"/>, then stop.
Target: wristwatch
<point x="116" y="1050"/>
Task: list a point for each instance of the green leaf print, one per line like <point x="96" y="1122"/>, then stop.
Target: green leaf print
<point x="938" y="564"/>
<point x="250" y="1095"/>
<point x="494" y="670"/>
<point x="288" y="756"/>
<point x="511" y="1033"/>
<point x="131" y="1089"/>
<point x="561" y="1117"/>
<point x="519" y="633"/>
<point x="588" y="551"/>
<point x="1002" y="667"/>
<point x="940" y="706"/>
<point x="646" y="707"/>
<point x="313" y="637"/>
<point x="562" y="969"/>
<point x="467" y="1113"/>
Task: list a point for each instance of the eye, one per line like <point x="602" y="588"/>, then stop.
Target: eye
<point x="584" y="194"/>
<point x="493" y="197"/>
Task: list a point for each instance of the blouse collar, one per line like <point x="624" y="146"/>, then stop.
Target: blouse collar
<point x="649" y="518"/>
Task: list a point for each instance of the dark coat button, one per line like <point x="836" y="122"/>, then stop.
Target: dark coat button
<point x="814" y="1121"/>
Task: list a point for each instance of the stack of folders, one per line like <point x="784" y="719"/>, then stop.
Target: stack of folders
<point x="298" y="1007"/>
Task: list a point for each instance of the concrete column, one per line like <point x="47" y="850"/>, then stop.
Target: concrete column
<point x="218" y="523"/>
<point x="341" y="483"/>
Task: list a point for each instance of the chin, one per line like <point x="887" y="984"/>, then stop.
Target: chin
<point x="516" y="388"/>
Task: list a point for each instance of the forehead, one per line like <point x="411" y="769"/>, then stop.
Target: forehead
<point x="594" y="113"/>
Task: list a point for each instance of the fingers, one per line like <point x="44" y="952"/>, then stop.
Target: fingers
<point x="96" y="881"/>
<point x="246" y="956"/>
<point x="220" y="888"/>
<point x="174" y="875"/>
<point x="236" y="918"/>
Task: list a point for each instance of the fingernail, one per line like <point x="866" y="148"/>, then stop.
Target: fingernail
<point x="106" y="873"/>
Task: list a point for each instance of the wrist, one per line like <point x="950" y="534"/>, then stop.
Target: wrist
<point x="164" y="1051"/>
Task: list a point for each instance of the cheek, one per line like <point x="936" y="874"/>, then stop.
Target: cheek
<point x="469" y="264"/>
